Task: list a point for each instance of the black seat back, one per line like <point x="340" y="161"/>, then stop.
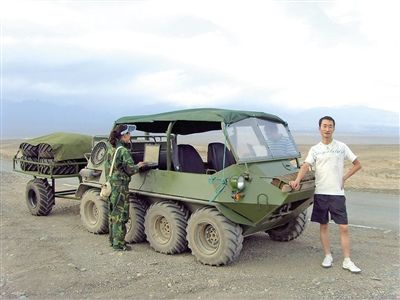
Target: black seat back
<point x="189" y="160"/>
<point x="162" y="162"/>
<point x="215" y="156"/>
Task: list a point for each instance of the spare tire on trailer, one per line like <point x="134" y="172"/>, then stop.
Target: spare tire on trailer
<point x="28" y="163"/>
<point x="62" y="167"/>
<point x="29" y="150"/>
<point x="39" y="197"/>
<point x="45" y="151"/>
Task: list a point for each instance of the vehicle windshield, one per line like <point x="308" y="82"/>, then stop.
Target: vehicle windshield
<point x="255" y="139"/>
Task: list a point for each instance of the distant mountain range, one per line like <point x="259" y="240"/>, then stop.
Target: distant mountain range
<point x="348" y="119"/>
<point x="33" y="118"/>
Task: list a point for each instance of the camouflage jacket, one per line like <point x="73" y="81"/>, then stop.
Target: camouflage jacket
<point x="124" y="166"/>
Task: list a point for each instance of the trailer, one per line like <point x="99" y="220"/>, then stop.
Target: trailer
<point x="49" y="158"/>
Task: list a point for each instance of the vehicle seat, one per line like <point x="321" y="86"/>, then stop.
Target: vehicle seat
<point x="162" y="161"/>
<point x="215" y="156"/>
<point x="190" y="160"/>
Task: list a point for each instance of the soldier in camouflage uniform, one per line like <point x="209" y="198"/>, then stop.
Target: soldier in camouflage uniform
<point x="124" y="168"/>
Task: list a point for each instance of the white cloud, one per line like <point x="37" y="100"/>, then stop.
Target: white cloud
<point x="172" y="86"/>
<point x="327" y="54"/>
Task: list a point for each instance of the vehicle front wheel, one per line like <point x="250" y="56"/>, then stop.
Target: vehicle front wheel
<point x="94" y="212"/>
<point x="213" y="239"/>
<point x="39" y="197"/>
<point x="290" y="230"/>
<point x="165" y="227"/>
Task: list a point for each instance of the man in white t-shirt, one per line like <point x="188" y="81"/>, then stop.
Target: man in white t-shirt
<point x="328" y="157"/>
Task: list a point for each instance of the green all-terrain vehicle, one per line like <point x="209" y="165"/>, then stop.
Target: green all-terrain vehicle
<point x="215" y="177"/>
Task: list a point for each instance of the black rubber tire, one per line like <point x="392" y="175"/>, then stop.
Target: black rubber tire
<point x="94" y="212"/>
<point x="29" y="150"/>
<point x="45" y="151"/>
<point x="289" y="231"/>
<point x="45" y="167"/>
<point x="213" y="239"/>
<point x="39" y="197"/>
<point x="77" y="165"/>
<point x="62" y="167"/>
<point x="26" y="166"/>
<point x="135" y="226"/>
<point x="165" y="227"/>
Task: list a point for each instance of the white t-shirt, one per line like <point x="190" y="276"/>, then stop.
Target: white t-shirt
<point x="329" y="162"/>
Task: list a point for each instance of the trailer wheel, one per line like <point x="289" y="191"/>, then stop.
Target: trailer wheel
<point x="165" y="227"/>
<point x="135" y="226"/>
<point x="213" y="239"/>
<point x="94" y="212"/>
<point x="289" y="231"/>
<point x="39" y="197"/>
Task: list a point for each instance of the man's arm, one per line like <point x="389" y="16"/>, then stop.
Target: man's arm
<point x="356" y="166"/>
<point x="303" y="170"/>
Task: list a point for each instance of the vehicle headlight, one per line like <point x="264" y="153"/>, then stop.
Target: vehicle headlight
<point x="237" y="182"/>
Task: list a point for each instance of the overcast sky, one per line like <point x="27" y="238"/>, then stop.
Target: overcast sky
<point x="202" y="53"/>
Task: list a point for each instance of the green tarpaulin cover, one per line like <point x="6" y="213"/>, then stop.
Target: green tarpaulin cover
<point x="65" y="145"/>
<point x="193" y="120"/>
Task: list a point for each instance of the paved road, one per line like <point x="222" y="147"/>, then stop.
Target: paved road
<point x="375" y="210"/>
<point x="372" y="210"/>
<point x="364" y="209"/>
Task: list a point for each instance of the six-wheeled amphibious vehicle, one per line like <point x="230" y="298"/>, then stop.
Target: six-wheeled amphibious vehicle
<point x="216" y="176"/>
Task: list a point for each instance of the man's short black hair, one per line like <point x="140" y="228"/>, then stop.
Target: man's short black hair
<point x="326" y="118"/>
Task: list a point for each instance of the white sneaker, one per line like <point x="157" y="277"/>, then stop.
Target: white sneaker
<point x="349" y="265"/>
<point x="327" y="263"/>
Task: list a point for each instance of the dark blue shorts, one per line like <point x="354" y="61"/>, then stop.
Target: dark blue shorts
<point x="334" y="204"/>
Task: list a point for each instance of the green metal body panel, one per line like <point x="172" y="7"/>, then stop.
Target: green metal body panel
<point x="254" y="209"/>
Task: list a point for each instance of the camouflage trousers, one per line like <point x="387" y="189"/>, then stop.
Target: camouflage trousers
<point x="118" y="215"/>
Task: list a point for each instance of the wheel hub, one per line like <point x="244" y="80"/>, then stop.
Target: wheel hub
<point x="164" y="228"/>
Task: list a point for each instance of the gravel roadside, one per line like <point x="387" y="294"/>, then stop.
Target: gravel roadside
<point x="54" y="257"/>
